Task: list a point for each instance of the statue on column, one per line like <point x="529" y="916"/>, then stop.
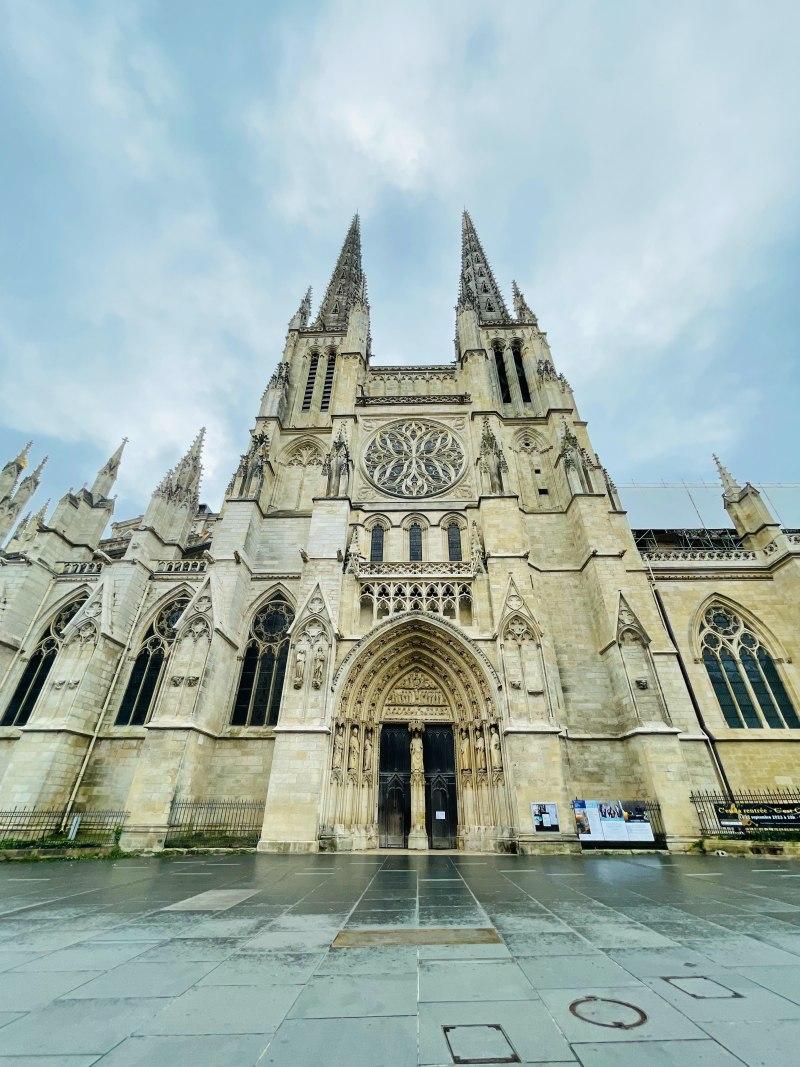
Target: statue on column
<point x="338" y="747"/>
<point x="492" y="460"/>
<point x="318" y="665"/>
<point x="476" y="549"/>
<point x="418" y="837"/>
<point x="574" y="461"/>
<point x="352" y="753"/>
<point x="299" y="667"/>
<point x="337" y="467"/>
<point x="480" y="750"/>
<point x="495" y="750"/>
<point x="417" y="766"/>
<point x="367" y="763"/>
<point x="465" y="757"/>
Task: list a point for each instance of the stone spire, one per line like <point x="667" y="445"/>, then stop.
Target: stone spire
<point x="730" y="487"/>
<point x="13" y="505"/>
<point x="181" y="484"/>
<point x="347" y="285"/>
<point x="107" y="475"/>
<point x="521" y="309"/>
<point x="300" y="318"/>
<point x="477" y="287"/>
<point x="12" y="471"/>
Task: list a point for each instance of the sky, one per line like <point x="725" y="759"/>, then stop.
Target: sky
<point x="175" y="175"/>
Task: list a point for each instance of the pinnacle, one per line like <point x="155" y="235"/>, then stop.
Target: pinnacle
<point x="729" y="483"/>
<point x="347" y="285"/>
<point x="107" y="474"/>
<point x="478" y="288"/>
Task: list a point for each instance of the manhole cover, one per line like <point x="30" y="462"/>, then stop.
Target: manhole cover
<point x="479" y="1043"/>
<point x="417" y="935"/>
<point x="616" y="1014"/>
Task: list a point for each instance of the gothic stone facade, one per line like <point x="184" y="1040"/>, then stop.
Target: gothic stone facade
<point x="421" y="592"/>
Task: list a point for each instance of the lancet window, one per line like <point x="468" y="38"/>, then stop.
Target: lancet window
<point x="327" y="385"/>
<point x="258" y="696"/>
<point x="454" y="550"/>
<point x="144" y="683"/>
<point x="376" y="541"/>
<point x="310" y="381"/>
<point x="521" y="376"/>
<point x="38" y="667"/>
<point x="415" y="542"/>
<point x="502" y="377"/>
<point x="743" y="673"/>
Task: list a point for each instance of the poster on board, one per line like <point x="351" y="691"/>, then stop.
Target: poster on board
<point x="615" y="822"/>
<point x="544" y="816"/>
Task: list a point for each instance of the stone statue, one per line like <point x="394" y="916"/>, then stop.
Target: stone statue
<point x="574" y="462"/>
<point x="493" y="461"/>
<point x="338" y="747"/>
<point x="417" y="766"/>
<point x="465" y="760"/>
<point x="337" y="468"/>
<point x="476" y="548"/>
<point x="299" y="667"/>
<point x="494" y="748"/>
<point x="367" y="751"/>
<point x="352" y="753"/>
<point x="480" y="750"/>
<point x="318" y="666"/>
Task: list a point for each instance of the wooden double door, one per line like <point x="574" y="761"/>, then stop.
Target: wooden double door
<point x="394" y="786"/>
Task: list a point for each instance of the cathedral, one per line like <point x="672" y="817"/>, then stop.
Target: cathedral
<point x="420" y="618"/>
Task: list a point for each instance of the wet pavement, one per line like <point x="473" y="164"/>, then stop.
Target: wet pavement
<point x="597" y="960"/>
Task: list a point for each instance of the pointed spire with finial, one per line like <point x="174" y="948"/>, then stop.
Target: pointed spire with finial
<point x="730" y="487"/>
<point x="181" y="484"/>
<point x="12" y="471"/>
<point x="300" y="318"/>
<point x="107" y="475"/>
<point x="347" y="285"/>
<point x="521" y="309"/>
<point x="477" y="286"/>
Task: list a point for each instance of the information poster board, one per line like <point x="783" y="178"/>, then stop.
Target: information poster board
<point x="759" y="815"/>
<point x="614" y="822"/>
<point x="544" y="816"/>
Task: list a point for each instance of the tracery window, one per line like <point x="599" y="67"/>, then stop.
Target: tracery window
<point x="376" y="539"/>
<point x="144" y="683"/>
<point x="414" y="458"/>
<point x="415" y="542"/>
<point x="312" y="377"/>
<point x="258" y="697"/>
<point x="38" y="667"/>
<point x="454" y="551"/>
<point x="746" y="682"/>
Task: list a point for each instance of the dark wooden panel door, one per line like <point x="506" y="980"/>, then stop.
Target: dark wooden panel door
<point x="394" y="787"/>
<point x="441" y="809"/>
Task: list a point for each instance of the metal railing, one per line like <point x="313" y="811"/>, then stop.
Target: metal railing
<point x="214" y="823"/>
<point x="764" y="812"/>
<point x="57" y="828"/>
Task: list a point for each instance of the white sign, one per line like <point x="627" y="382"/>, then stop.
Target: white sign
<point x="612" y="820"/>
<point x="440" y="815"/>
<point x="544" y="816"/>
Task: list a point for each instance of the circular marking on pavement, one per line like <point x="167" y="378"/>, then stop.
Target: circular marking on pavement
<point x="616" y="1014"/>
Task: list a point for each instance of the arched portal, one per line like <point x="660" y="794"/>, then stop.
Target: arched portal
<point x="416" y="678"/>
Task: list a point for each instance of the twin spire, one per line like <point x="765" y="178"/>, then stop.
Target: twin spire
<point x="477" y="286"/>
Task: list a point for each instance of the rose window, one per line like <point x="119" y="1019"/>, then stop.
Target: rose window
<point x="414" y="459"/>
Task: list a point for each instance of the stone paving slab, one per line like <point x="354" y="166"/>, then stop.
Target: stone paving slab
<point x="215" y="960"/>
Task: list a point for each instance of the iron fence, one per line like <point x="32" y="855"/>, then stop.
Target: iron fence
<point x="758" y="813"/>
<point x="214" y="823"/>
<point x="58" y="828"/>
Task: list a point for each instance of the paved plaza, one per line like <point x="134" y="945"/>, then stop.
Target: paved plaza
<point x="398" y="960"/>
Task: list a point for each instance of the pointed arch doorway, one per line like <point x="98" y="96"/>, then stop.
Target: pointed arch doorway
<point x="416" y="756"/>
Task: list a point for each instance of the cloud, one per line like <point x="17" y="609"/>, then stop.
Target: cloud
<point x="633" y="167"/>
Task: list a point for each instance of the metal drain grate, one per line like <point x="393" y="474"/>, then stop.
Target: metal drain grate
<point x="479" y="1043"/>
<point x="416" y="935"/>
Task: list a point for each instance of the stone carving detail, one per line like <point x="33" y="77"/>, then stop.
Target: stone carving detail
<point x="517" y="630"/>
<point x="495" y="750"/>
<point x="414" y="458"/>
<point x="575" y="458"/>
<point x="352" y="752"/>
<point x="299" y="673"/>
<point x="189" y="680"/>
<point x="318" y="666"/>
<point x="247" y="482"/>
<point x="492" y="460"/>
<point x="338" y="746"/>
<point x="367" y="756"/>
<point x="337" y="467"/>
<point x="450" y="599"/>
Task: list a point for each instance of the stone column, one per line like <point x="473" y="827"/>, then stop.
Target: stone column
<point x="418" y="838"/>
